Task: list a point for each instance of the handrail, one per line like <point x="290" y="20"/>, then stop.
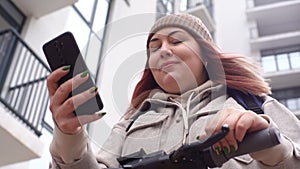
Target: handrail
<point x="23" y="88"/>
<point x="37" y="132"/>
<point x="15" y="33"/>
<point x="28" y="83"/>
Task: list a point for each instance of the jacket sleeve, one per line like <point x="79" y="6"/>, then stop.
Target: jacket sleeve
<point x="74" y="152"/>
<point x="287" y="153"/>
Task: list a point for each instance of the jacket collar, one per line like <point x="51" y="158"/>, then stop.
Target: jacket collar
<point x="208" y="88"/>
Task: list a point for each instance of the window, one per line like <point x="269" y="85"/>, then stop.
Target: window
<point x="85" y="21"/>
<point x="88" y="23"/>
<point x="281" y="59"/>
<point x="100" y="15"/>
<point x="164" y="7"/>
<point x="85" y="8"/>
<point x="188" y="4"/>
<point x="11" y="16"/>
<point x="289" y="97"/>
<point x="293" y="104"/>
<point x="295" y="60"/>
<point x="269" y="63"/>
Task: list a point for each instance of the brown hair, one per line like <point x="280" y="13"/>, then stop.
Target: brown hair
<point x="240" y="73"/>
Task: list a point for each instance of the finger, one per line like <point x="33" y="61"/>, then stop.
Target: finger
<point x="85" y="119"/>
<point x="69" y="125"/>
<point x="63" y="91"/>
<point x="215" y="124"/>
<point x="72" y="103"/>
<point x="217" y="148"/>
<point x="249" y="122"/>
<point x="224" y="146"/>
<point x="244" y="123"/>
<point x="202" y="136"/>
<point x="54" y="77"/>
<point x="259" y="123"/>
<point x="232" y="120"/>
<point x="73" y="125"/>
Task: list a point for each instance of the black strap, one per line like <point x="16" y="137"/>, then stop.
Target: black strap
<point x="248" y="101"/>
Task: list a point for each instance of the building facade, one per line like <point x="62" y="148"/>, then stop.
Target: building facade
<point x="268" y="30"/>
<point x="26" y="124"/>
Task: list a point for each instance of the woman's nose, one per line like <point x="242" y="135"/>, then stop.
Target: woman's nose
<point x="166" y="50"/>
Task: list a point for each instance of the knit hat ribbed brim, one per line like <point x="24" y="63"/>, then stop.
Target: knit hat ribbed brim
<point x="188" y="22"/>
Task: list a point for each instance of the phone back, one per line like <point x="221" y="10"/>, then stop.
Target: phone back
<point x="63" y="50"/>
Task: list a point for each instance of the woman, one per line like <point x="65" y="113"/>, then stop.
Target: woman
<point x="180" y="98"/>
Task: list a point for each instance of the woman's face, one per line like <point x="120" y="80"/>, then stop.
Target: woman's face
<point x="175" y="60"/>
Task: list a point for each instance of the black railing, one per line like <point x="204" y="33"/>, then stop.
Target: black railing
<point x="23" y="88"/>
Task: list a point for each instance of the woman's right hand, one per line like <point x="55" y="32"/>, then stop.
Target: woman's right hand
<point x="62" y="107"/>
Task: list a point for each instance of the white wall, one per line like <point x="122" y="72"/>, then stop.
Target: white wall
<point x="232" y="28"/>
<point x="123" y="60"/>
<point x="38" y="31"/>
<point x="38" y="163"/>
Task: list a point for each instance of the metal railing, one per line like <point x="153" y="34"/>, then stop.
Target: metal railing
<point x="23" y="88"/>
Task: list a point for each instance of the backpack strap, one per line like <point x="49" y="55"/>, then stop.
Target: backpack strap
<point x="247" y="100"/>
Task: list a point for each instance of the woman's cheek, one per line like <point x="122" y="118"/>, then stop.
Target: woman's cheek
<point x="152" y="62"/>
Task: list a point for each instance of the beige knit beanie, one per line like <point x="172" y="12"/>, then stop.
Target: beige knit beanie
<point x="190" y="23"/>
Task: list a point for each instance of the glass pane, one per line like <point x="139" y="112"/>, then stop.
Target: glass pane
<point x="183" y="5"/>
<point x="282" y="102"/>
<point x="292" y="104"/>
<point x="86" y="8"/>
<point x="295" y="60"/>
<point x="80" y="30"/>
<point x="298" y="103"/>
<point x="101" y="14"/>
<point x="283" y="62"/>
<point x="168" y="6"/>
<point x="268" y="63"/>
<point x="93" y="53"/>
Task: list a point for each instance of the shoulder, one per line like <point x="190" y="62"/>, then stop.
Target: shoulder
<point x="273" y="104"/>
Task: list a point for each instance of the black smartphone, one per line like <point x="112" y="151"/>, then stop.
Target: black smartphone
<point x="63" y="50"/>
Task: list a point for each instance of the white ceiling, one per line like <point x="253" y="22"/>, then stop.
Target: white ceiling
<point x="38" y="8"/>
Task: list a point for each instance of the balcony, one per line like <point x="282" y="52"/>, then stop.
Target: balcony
<point x="274" y="41"/>
<point x="274" y="24"/>
<point x="41" y="7"/>
<point x="23" y="99"/>
<point x="257" y="3"/>
<point x="202" y="9"/>
<point x="279" y="79"/>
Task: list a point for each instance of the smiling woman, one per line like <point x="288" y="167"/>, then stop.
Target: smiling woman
<point x="175" y="60"/>
<point x="181" y="97"/>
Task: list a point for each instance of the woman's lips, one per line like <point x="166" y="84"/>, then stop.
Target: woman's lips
<point x="166" y="65"/>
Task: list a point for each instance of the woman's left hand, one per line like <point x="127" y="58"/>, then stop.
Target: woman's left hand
<point x="240" y="122"/>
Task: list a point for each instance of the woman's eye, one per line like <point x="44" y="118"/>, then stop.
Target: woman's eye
<point x="154" y="48"/>
<point x="176" y="42"/>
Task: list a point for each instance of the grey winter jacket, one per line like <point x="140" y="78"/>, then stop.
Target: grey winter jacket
<point x="168" y="121"/>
